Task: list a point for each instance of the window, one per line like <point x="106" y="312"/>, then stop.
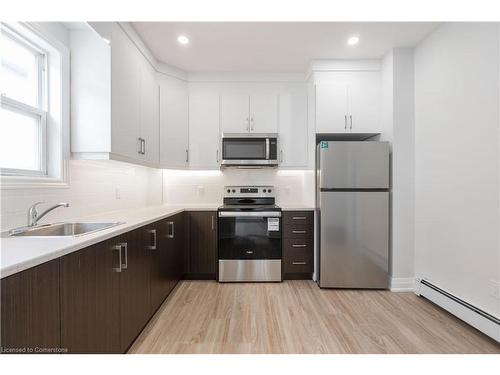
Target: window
<point x="23" y="111"/>
<point x="34" y="112"/>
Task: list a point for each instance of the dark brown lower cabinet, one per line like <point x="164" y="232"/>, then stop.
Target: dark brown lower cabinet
<point x="167" y="260"/>
<point x="156" y="242"/>
<point x="31" y="311"/>
<point x="180" y="247"/>
<point x="90" y="286"/>
<point x="298" y="245"/>
<point x="98" y="299"/>
<point x="202" y="258"/>
<point x="135" y="299"/>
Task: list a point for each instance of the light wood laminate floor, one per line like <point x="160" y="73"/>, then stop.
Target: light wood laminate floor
<point x="299" y="317"/>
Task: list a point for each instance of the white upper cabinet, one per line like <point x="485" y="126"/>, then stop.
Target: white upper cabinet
<point x="126" y="76"/>
<point x="150" y="115"/>
<point x="249" y="113"/>
<point x="204" y="132"/>
<point x="293" y="132"/>
<point x="263" y="113"/>
<point x="173" y="123"/>
<point x="364" y="95"/>
<point x="235" y="112"/>
<point x="331" y="107"/>
<point x="348" y="102"/>
<point x="114" y="98"/>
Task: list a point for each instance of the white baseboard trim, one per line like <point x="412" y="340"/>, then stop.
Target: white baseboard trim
<point x="471" y="315"/>
<point x="402" y="284"/>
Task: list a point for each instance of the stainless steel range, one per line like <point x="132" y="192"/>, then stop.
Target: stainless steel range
<point x="249" y="235"/>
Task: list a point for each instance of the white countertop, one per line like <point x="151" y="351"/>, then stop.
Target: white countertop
<point x="20" y="253"/>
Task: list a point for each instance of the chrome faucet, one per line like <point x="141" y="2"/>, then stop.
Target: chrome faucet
<point x="34" y="216"/>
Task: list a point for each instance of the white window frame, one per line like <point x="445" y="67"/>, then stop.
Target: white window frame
<point x="52" y="110"/>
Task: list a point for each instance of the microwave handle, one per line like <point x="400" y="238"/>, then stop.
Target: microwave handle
<point x="267" y="148"/>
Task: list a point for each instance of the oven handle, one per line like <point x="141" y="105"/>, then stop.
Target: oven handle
<point x="249" y="213"/>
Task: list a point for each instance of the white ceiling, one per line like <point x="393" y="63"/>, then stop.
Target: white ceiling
<point x="272" y="46"/>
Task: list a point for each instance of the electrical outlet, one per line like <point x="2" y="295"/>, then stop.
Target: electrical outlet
<point x="118" y="194"/>
<point x="495" y="289"/>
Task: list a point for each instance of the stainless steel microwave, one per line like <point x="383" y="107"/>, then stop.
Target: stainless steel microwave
<point x="240" y="150"/>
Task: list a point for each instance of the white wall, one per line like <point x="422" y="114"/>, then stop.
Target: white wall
<point x="457" y="161"/>
<point x="397" y="120"/>
<point x="94" y="187"/>
<point x="293" y="187"/>
<point x="403" y="166"/>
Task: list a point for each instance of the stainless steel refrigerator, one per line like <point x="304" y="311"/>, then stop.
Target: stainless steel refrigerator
<point x="352" y="207"/>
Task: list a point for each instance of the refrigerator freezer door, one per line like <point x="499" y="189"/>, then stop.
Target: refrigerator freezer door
<point x="354" y="239"/>
<point x="353" y="165"/>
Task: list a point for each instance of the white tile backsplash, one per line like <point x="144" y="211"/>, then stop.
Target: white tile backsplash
<point x="293" y="187"/>
<point x="92" y="189"/>
<point x="100" y="186"/>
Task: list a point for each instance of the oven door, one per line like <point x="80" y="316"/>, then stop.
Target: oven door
<point x="249" y="151"/>
<point x="249" y="235"/>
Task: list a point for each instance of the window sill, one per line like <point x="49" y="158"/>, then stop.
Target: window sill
<point x="31" y="182"/>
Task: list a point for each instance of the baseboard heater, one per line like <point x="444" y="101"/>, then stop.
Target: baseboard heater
<point x="470" y="314"/>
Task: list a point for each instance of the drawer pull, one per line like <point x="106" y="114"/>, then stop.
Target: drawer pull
<point x="299" y="218"/>
<point x="302" y="245"/>
<point x="249" y="251"/>
<point x="299" y="263"/>
<point x="298" y="231"/>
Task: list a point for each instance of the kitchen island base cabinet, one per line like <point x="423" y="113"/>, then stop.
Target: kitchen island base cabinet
<point x="31" y="311"/>
<point x="202" y="255"/>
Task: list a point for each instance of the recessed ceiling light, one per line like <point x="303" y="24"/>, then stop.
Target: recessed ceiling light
<point x="182" y="39"/>
<point x="353" y="40"/>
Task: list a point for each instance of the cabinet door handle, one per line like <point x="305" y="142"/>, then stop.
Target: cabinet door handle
<point x="281" y="155"/>
<point x="249" y="251"/>
<point x="252" y="124"/>
<point x="299" y="218"/>
<point x="345" y="122"/>
<point x="350" y="117"/>
<point x="143" y="146"/>
<point x="301" y="245"/>
<point x="171" y="234"/>
<point x="248" y="124"/>
<point x="217" y="155"/>
<point x="119" y="249"/>
<point x="299" y="263"/>
<point x="298" y="231"/>
<point x="139" y="145"/>
<point x="153" y="246"/>
<point x="124" y="246"/>
<point x="213" y="222"/>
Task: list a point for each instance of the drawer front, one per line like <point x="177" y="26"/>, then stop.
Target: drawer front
<point x="298" y="217"/>
<point x="298" y="231"/>
<point x="297" y="260"/>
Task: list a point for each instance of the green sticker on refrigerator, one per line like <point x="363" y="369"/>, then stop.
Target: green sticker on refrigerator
<point x="324" y="144"/>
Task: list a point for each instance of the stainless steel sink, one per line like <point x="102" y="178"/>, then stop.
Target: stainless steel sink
<point x="61" y="229"/>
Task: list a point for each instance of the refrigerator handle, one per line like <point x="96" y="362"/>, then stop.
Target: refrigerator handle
<point x="345" y="122"/>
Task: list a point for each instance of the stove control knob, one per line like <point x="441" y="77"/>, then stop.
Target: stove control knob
<point x="234" y="191"/>
<point x="228" y="190"/>
<point x="264" y="190"/>
<point x="269" y="191"/>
